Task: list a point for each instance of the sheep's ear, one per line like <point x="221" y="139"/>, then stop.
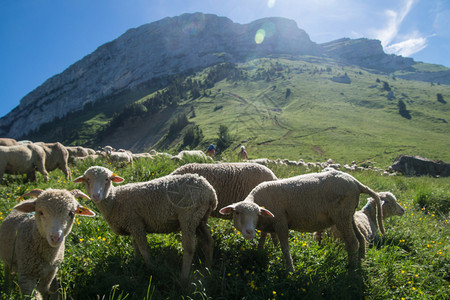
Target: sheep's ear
<point x="33" y="193"/>
<point x="116" y="178"/>
<point x="84" y="211"/>
<point x="79" y="194"/>
<point x="80" y="179"/>
<point x="26" y="206"/>
<point x="265" y="212"/>
<point x="227" y="210"/>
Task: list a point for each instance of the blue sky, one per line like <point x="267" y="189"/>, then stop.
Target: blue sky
<point x="41" y="38"/>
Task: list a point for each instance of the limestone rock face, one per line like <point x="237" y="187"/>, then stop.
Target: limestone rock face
<point x="162" y="48"/>
<point x="175" y="45"/>
<point x="366" y="53"/>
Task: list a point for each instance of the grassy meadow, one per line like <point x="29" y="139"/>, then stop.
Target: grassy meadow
<point x="411" y="261"/>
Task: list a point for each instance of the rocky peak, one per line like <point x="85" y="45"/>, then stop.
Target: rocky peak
<point x="161" y="48"/>
<point x="365" y="53"/>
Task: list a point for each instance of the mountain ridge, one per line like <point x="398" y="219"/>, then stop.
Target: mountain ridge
<point x="179" y="44"/>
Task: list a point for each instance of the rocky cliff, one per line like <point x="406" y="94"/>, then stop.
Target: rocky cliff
<point x="171" y="46"/>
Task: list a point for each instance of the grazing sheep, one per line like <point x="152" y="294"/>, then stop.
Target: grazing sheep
<point x="76" y="151"/>
<point x="307" y="203"/>
<point x="118" y="156"/>
<point x="196" y="155"/>
<point x="33" y="237"/>
<point x="22" y="159"/>
<point x="163" y="205"/>
<point x="56" y="157"/>
<point x="232" y="181"/>
<point x="365" y="218"/>
<point x="8" y="142"/>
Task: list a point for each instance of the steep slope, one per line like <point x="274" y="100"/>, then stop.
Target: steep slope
<point x="294" y="108"/>
<point x="163" y="48"/>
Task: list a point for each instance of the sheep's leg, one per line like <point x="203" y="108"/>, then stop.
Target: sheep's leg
<point x="140" y="245"/>
<point x="361" y="240"/>
<point x="45" y="282"/>
<point x="188" y="243"/>
<point x="262" y="240"/>
<point x="345" y="227"/>
<point x="282" y="231"/>
<point x="40" y="166"/>
<point x="206" y="242"/>
<point x="27" y="285"/>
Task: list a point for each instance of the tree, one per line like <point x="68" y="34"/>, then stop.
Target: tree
<point x="402" y="110"/>
<point x="440" y="98"/>
<point x="224" y="139"/>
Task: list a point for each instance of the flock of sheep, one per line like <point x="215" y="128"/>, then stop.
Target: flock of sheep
<point x="33" y="234"/>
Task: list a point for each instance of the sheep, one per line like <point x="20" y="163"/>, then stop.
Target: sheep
<point x="76" y="151"/>
<point x="22" y="159"/>
<point x="197" y="155"/>
<point x="33" y="237"/>
<point x="162" y="205"/>
<point x="57" y="157"/>
<point x="365" y="218"/>
<point x="118" y="156"/>
<point x="232" y="181"/>
<point x="307" y="203"/>
<point x="8" y="142"/>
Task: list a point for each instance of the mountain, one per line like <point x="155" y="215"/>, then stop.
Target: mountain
<point x="173" y="46"/>
<point x="166" y="47"/>
<point x="171" y="84"/>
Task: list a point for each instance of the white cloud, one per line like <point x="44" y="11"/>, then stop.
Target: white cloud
<point x="394" y="20"/>
<point x="392" y="41"/>
<point x="407" y="47"/>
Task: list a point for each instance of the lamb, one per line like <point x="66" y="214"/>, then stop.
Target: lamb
<point x="365" y="218"/>
<point x="22" y="159"/>
<point x="162" y="205"/>
<point x="307" y="203"/>
<point x="232" y="181"/>
<point x="57" y="157"/>
<point x="33" y="237"/>
<point x="196" y="155"/>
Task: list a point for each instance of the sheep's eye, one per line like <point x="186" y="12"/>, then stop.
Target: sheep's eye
<point x="236" y="212"/>
<point x="40" y="212"/>
<point x="71" y="214"/>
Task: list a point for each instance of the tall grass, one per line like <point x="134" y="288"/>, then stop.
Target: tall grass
<point x="411" y="261"/>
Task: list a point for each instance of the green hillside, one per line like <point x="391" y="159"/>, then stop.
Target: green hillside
<point x="310" y="108"/>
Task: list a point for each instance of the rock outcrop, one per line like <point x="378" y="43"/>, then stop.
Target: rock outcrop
<point x="162" y="48"/>
<point x="419" y="166"/>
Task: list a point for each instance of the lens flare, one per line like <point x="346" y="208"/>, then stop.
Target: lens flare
<point x="259" y="36"/>
<point x="271" y="3"/>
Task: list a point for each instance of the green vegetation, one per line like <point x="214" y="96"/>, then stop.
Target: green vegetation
<point x="283" y="107"/>
<point x="411" y="261"/>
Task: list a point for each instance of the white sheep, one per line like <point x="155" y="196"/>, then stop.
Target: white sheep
<point x="196" y="155"/>
<point x="162" y="205"/>
<point x="22" y="159"/>
<point x="306" y="203"/>
<point x="365" y="218"/>
<point x="232" y="181"/>
<point x="8" y="142"/>
<point x="56" y="157"/>
<point x="76" y="151"/>
<point x="118" y="156"/>
<point x="33" y="237"/>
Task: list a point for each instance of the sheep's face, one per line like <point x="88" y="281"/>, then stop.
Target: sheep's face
<point x="98" y="181"/>
<point x="390" y="205"/>
<point x="245" y="217"/>
<point x="54" y="213"/>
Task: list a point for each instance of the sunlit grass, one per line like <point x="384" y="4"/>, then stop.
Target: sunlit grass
<point x="410" y="261"/>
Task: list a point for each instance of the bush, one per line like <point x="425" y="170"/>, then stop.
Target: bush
<point x="224" y="139"/>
